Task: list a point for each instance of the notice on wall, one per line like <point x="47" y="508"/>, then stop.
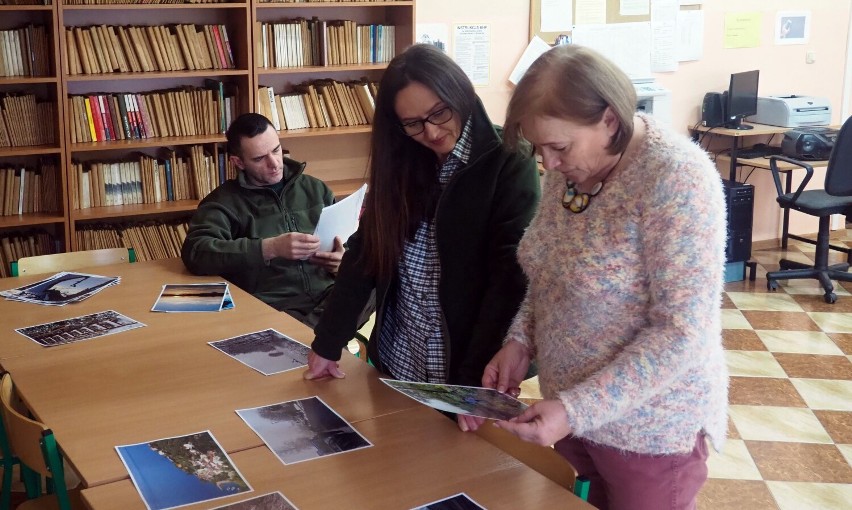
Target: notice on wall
<point x="634" y="58"/>
<point x="664" y="35"/>
<point x="472" y="51"/>
<point x="742" y="29"/>
<point x="556" y="15"/>
<point x="590" y="11"/>
<point x="436" y="34"/>
<point x="690" y="28"/>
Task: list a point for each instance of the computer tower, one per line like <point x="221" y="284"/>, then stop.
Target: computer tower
<point x="713" y="110"/>
<point x="739" y="200"/>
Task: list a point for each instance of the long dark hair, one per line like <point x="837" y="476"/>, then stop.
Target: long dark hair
<point x="403" y="173"/>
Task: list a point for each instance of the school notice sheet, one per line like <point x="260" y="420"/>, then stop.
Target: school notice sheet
<point x="340" y="219"/>
<point x="268" y="351"/>
<point x="303" y="429"/>
<point x="460" y="501"/>
<point x="470" y="400"/>
<point x="77" y="329"/>
<point x="61" y="289"/>
<point x="194" y="297"/>
<point x="181" y="470"/>
<point x="271" y="501"/>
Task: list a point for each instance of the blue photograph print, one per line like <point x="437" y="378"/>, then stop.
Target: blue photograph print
<point x="182" y="470"/>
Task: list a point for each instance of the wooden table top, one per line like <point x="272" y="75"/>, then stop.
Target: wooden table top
<point x="418" y="456"/>
<point x="164" y="379"/>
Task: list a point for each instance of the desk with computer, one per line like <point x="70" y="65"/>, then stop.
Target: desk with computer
<point x="802" y="120"/>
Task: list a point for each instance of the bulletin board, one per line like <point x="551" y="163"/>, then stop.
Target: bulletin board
<point x="612" y="16"/>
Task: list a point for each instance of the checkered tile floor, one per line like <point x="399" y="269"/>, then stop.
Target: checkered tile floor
<point x="790" y="359"/>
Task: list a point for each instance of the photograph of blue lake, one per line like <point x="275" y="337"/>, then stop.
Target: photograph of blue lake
<point x="180" y="471"/>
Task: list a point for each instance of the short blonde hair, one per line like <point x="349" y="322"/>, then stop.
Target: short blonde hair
<point x="574" y="83"/>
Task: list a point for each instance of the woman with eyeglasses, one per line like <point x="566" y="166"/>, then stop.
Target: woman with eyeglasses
<point x="623" y="312"/>
<point x="446" y="207"/>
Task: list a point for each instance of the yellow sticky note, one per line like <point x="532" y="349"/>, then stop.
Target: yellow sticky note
<point x="742" y="29"/>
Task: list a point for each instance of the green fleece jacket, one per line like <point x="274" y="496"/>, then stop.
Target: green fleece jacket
<point x="480" y="218"/>
<point x="226" y="231"/>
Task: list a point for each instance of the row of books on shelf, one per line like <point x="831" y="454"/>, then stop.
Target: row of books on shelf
<point x="29" y="190"/>
<point x="149" y="180"/>
<point x="17" y="245"/>
<point x="300" y="42"/>
<point x="102" y="49"/>
<point x="188" y="111"/>
<point x="319" y="104"/>
<point x="26" y="121"/>
<point x="151" y="240"/>
<point x="24" y="51"/>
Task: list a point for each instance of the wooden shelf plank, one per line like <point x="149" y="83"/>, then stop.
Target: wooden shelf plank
<point x="147" y="142"/>
<point x="31" y="219"/>
<point x="168" y="74"/>
<point x="345" y="187"/>
<point x="134" y="7"/>
<point x="322" y="69"/>
<point x="117" y="211"/>
<point x="312" y="5"/>
<point x="29" y="150"/>
<point x="309" y="132"/>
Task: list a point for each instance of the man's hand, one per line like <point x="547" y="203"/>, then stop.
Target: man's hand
<point x="542" y="423"/>
<point x="329" y="260"/>
<point x="291" y="246"/>
<point x="319" y="367"/>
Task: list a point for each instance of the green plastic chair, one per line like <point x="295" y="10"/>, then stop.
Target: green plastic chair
<point x="36" y="448"/>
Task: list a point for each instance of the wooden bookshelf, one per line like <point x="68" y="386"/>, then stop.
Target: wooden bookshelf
<point x="338" y="155"/>
<point x="235" y="17"/>
<point x="41" y="79"/>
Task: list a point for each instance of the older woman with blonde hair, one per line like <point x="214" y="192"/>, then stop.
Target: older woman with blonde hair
<point x="625" y="260"/>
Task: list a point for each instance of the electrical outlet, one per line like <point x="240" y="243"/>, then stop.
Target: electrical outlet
<point x="810" y="57"/>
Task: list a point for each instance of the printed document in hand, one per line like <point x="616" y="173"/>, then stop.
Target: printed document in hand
<point x="340" y="219"/>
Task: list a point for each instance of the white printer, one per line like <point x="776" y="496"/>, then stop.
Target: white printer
<point x="792" y="111"/>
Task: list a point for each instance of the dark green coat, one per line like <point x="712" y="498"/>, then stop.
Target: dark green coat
<point x="480" y="219"/>
<point x="226" y="231"/>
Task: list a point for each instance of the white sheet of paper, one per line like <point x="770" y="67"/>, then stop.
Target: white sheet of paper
<point x="556" y="15"/>
<point x="589" y="12"/>
<point x="690" y="27"/>
<point x="626" y="44"/>
<point x="664" y="35"/>
<point x="340" y="219"/>
<point x="634" y="7"/>
<point x="534" y="50"/>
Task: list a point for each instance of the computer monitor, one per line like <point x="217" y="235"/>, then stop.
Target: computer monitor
<point x="741" y="100"/>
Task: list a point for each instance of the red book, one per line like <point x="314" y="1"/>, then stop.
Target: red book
<point x="219" y="48"/>
<point x="148" y="127"/>
<point x="107" y="118"/>
<point x="97" y="118"/>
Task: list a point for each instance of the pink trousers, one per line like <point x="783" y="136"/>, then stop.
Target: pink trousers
<point x="624" y="480"/>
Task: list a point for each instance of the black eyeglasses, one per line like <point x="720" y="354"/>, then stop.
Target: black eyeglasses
<point x="415" y="127"/>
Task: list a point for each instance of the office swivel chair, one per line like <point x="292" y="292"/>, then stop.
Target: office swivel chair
<point x="836" y="198"/>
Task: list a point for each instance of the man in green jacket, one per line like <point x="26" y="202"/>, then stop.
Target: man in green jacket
<point x="256" y="230"/>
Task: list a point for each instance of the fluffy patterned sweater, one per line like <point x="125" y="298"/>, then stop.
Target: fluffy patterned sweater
<point x="623" y="306"/>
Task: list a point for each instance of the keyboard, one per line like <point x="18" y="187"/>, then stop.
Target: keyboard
<point x="758" y="152"/>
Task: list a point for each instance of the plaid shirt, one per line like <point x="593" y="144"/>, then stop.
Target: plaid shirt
<point x="411" y="341"/>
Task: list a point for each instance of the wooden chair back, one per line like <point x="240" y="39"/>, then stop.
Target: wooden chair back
<point x="35" y="446"/>
<point x="542" y="459"/>
<point x="23" y="433"/>
<point x="71" y="260"/>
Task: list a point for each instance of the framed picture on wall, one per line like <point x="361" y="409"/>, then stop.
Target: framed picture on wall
<point x="792" y="27"/>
